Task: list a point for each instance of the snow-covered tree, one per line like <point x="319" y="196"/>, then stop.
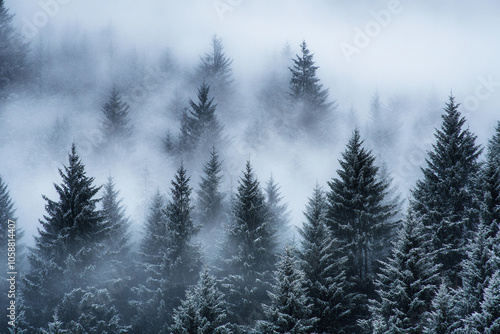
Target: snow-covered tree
<point x="477" y="270"/>
<point x="490" y="177"/>
<point x="69" y="246"/>
<point x="488" y="320"/>
<point x="203" y="311"/>
<point x="116" y="130"/>
<point x="291" y="308"/>
<point x="407" y="283"/>
<point x="442" y="318"/>
<point x="446" y="199"/>
<point x="249" y="252"/>
<point x="279" y="216"/>
<point x="324" y="268"/>
<point x="361" y="218"/>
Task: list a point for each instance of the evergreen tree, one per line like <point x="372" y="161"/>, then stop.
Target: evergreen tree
<point x="488" y="321"/>
<point x="291" y="308"/>
<point x="361" y="218"/>
<point x="324" y="269"/>
<point x="215" y="69"/>
<point x="307" y="91"/>
<point x="442" y="317"/>
<point x="279" y="216"/>
<point x="490" y="176"/>
<point x="171" y="260"/>
<point x="203" y="311"/>
<point x="249" y="252"/>
<point x="446" y="198"/>
<point x="407" y="283"/>
<point x="210" y="199"/>
<point x="69" y="245"/>
<point x="115" y="128"/>
<point x="477" y="270"/>
<point x="13" y="53"/>
<point x="118" y="275"/>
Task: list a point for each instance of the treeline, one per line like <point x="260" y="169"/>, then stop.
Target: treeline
<point x="213" y="259"/>
<point x="441" y="274"/>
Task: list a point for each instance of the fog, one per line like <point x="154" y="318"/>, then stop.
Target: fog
<point x="413" y="53"/>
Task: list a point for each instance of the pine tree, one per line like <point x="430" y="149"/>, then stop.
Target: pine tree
<point x="13" y="53"/>
<point x="490" y="177"/>
<point x="360" y="218"/>
<point x="291" y="308"/>
<point x="488" y="321"/>
<point x="442" y="318"/>
<point x="446" y="198"/>
<point x="203" y="311"/>
<point x="279" y="216"/>
<point x="477" y="270"/>
<point x="115" y="128"/>
<point x="210" y="199"/>
<point x="306" y="90"/>
<point x="249" y="252"/>
<point x="118" y="274"/>
<point x="407" y="283"/>
<point x="215" y="69"/>
<point x="68" y="248"/>
<point x="324" y="268"/>
<point x="151" y="303"/>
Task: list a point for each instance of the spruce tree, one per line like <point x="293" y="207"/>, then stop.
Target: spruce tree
<point x="68" y="249"/>
<point x="203" y="311"/>
<point x="490" y="177"/>
<point x="210" y="198"/>
<point x="249" y="252"/>
<point x="407" y="283"/>
<point x="442" y="317"/>
<point x="446" y="199"/>
<point x="324" y="268"/>
<point x="13" y="53"/>
<point x="119" y="273"/>
<point x="489" y="318"/>
<point x="361" y="218"/>
<point x="477" y="270"/>
<point x="279" y="216"/>
<point x="291" y="308"/>
<point x="115" y="128"/>
<point x="306" y="90"/>
<point x="215" y="69"/>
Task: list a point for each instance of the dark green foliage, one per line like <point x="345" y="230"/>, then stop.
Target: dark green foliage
<point x="279" y="216"/>
<point x="215" y="69"/>
<point x="115" y="128"/>
<point x="291" y="308"/>
<point x="324" y="265"/>
<point x="446" y="199"/>
<point x="308" y="92"/>
<point x="249" y="251"/>
<point x="210" y="198"/>
<point x="442" y="318"/>
<point x="407" y="283"/>
<point x="490" y="177"/>
<point x="203" y="311"/>
<point x="361" y="218"/>
<point x="69" y="246"/>
<point x="13" y="54"/>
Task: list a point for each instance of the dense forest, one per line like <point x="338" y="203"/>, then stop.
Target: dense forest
<point x="205" y="244"/>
